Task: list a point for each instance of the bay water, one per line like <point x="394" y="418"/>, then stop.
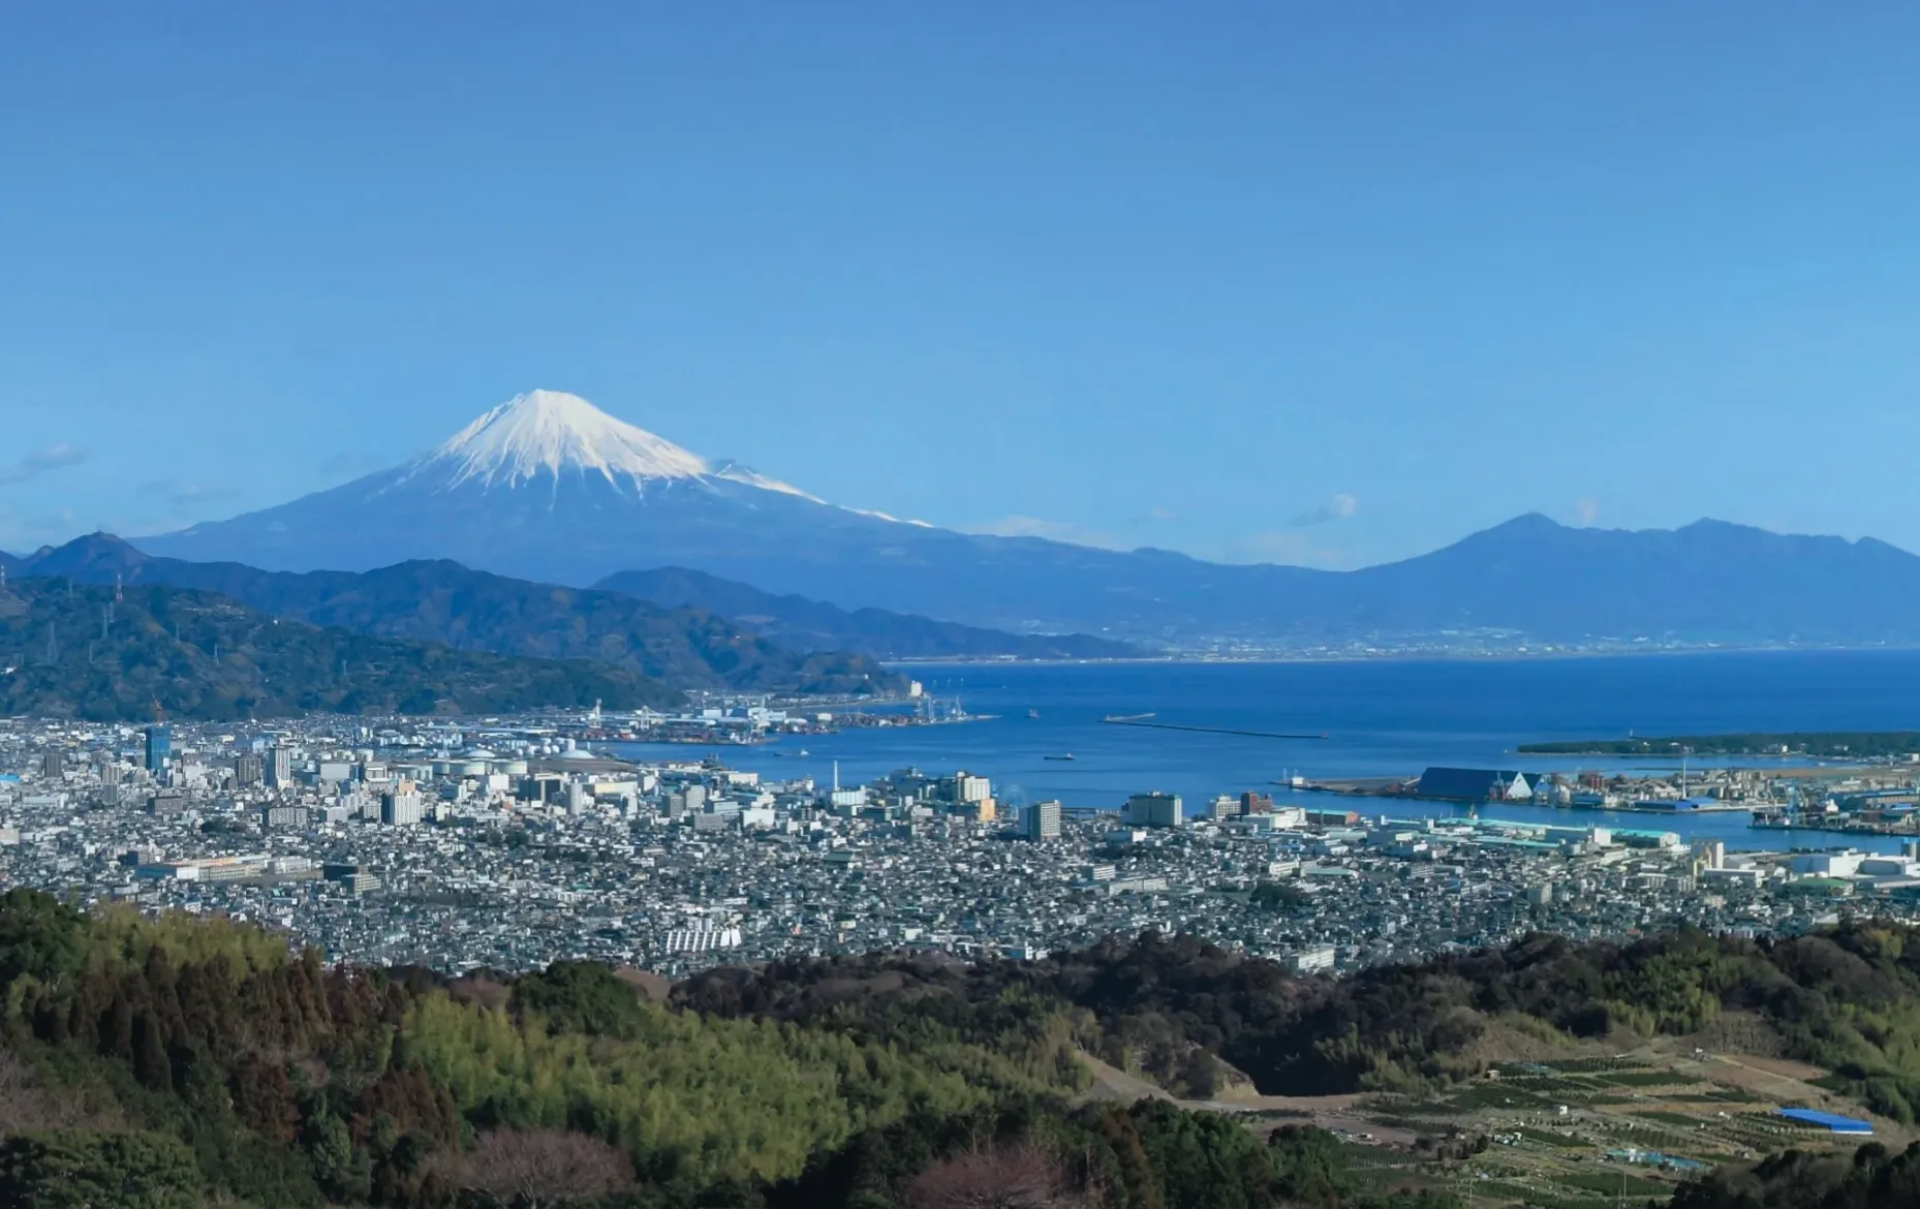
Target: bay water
<point x="1384" y="717"/>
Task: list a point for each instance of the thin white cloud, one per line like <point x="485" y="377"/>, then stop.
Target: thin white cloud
<point x="53" y="457"/>
<point x="1586" y="511"/>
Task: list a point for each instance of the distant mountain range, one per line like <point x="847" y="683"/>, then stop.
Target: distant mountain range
<point x="70" y="650"/>
<point x="443" y="602"/>
<point x="1708" y="581"/>
<point x="549" y="488"/>
<point x="812" y="625"/>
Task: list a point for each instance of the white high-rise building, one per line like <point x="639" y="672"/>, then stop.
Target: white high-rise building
<point x="402" y="808"/>
<point x="970" y="788"/>
<point x="1154" y="809"/>
<point x="1043" y="821"/>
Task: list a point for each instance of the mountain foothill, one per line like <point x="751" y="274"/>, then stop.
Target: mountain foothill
<point x="98" y="629"/>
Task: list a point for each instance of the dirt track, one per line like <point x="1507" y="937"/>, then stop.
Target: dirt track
<point x="1111" y="1084"/>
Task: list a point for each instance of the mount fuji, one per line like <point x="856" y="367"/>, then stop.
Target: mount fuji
<point x="547" y="487"/>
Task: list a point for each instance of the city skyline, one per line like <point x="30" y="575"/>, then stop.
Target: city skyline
<point x="1296" y="287"/>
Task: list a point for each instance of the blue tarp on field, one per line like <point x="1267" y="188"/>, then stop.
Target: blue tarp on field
<point x="1826" y="1120"/>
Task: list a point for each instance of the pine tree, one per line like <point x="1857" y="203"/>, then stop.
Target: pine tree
<point x="151" y="1065"/>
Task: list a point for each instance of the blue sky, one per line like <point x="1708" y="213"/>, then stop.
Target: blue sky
<point x="1320" y="283"/>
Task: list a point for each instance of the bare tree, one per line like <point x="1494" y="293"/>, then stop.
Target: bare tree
<point x="481" y="991"/>
<point x="535" y="1169"/>
<point x="25" y="1104"/>
<point x="997" y="1177"/>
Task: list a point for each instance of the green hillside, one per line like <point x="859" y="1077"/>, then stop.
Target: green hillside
<point x="72" y="650"/>
<point x="171" y="1063"/>
<point x="444" y="602"/>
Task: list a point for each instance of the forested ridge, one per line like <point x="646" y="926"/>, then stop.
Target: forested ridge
<point x="71" y="650"/>
<point x="176" y="1062"/>
<point x="1857" y="745"/>
<point x="208" y="1061"/>
<point x="1846" y="998"/>
<point x="450" y="605"/>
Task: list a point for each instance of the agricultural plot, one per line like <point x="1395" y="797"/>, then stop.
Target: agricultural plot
<point x="1601" y="1131"/>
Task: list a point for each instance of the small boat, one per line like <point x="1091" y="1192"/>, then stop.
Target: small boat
<point x="1032" y="714"/>
<point x="1062" y="756"/>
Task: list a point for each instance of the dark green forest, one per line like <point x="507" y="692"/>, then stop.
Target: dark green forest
<point x="1871" y="1178"/>
<point x="70" y="650"/>
<point x="174" y="1061"/>
<point x="451" y="605"/>
<point x="1845" y="998"/>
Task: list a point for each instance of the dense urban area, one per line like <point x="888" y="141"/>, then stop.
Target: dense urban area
<point x="508" y="844"/>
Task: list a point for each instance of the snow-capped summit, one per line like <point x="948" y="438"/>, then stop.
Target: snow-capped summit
<point x="554" y="431"/>
<point x="545" y="486"/>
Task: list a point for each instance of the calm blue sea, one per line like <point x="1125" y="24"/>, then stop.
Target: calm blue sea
<point x="1385" y="717"/>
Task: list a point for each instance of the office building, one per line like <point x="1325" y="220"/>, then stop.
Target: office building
<point x="401" y="808"/>
<point x="1153" y="809"/>
<point x="1312" y="960"/>
<point x="966" y="787"/>
<point x="159" y="748"/>
<point x="278" y="767"/>
<point x="246" y="771"/>
<point x="288" y="817"/>
<point x="1256" y="803"/>
<point x="52" y="767"/>
<point x="167" y="803"/>
<point x="1043" y="821"/>
<point x="688" y="799"/>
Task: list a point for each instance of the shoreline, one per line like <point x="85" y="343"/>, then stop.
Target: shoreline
<point x="1410" y="656"/>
